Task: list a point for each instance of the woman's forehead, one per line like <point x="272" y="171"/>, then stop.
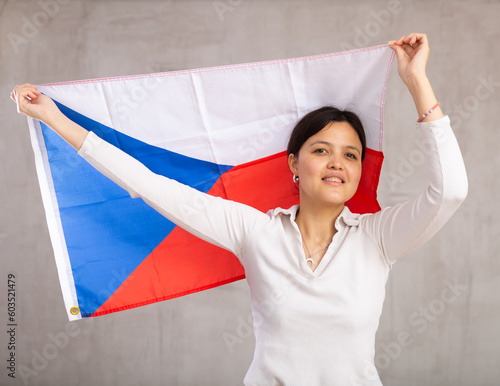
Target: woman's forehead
<point x="336" y="131"/>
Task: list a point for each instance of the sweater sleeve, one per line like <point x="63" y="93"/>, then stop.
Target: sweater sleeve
<point x="402" y="228"/>
<point x="216" y="220"/>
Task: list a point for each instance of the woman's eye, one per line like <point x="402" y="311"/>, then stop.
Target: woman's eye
<point x="350" y="155"/>
<point x="319" y="150"/>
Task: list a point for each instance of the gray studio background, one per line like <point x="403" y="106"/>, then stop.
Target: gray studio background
<point x="454" y="339"/>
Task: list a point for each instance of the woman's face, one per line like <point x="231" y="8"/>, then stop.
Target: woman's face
<point x="329" y="164"/>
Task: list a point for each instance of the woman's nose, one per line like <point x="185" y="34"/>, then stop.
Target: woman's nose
<point x="335" y="162"/>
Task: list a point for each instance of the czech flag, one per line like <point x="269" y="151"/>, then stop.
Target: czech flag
<point x="222" y="130"/>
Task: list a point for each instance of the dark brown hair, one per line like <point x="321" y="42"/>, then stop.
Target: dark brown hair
<point x="314" y="121"/>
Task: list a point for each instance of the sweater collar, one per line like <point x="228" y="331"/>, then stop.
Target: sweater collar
<point x="349" y="218"/>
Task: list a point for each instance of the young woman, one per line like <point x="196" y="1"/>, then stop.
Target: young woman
<point x="316" y="271"/>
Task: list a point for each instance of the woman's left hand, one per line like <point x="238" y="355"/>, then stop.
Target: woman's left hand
<point x="416" y="46"/>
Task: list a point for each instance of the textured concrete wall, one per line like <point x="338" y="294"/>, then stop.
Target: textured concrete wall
<point x="454" y="339"/>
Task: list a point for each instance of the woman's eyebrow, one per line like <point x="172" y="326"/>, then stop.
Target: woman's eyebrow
<point x="354" y="148"/>
<point x="320" y="142"/>
<point x="329" y="144"/>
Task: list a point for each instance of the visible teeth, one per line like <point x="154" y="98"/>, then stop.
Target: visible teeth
<point x="334" y="179"/>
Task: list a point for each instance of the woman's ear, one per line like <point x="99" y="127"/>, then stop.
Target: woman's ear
<point x="292" y="164"/>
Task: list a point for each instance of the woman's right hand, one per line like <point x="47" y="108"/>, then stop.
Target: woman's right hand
<point x="33" y="103"/>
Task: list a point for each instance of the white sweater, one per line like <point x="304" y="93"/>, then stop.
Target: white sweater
<point x="311" y="328"/>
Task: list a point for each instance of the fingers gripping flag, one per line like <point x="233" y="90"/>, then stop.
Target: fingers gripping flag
<point x="222" y="130"/>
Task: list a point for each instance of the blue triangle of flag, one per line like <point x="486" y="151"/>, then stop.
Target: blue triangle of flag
<point x="107" y="233"/>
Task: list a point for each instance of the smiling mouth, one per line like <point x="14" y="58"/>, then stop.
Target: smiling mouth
<point x="333" y="179"/>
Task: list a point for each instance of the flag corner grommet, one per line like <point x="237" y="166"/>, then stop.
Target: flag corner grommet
<point x="74" y="310"/>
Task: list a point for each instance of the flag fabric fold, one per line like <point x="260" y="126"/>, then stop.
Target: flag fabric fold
<point x="222" y="130"/>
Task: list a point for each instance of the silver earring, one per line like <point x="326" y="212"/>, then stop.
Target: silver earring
<point x="295" y="179"/>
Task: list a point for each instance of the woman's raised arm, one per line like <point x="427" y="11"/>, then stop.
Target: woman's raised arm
<point x="218" y="221"/>
<point x="402" y="228"/>
<point x="412" y="52"/>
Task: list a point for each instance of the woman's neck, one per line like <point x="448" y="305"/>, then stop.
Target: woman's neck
<point x="317" y="222"/>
